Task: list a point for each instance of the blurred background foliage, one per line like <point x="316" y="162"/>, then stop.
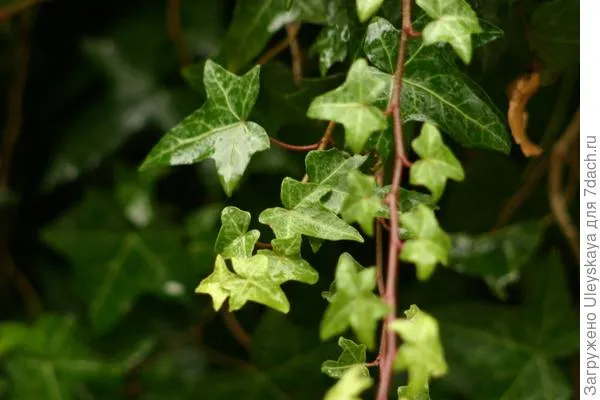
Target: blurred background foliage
<point x="98" y="262"/>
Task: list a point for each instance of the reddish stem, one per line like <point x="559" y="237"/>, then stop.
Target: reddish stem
<point x="293" y="147"/>
<point x="237" y="330"/>
<point x="389" y="347"/>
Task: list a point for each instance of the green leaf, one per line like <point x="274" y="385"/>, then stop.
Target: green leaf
<point x="524" y="341"/>
<point x="362" y="204"/>
<point x="407" y="200"/>
<point x="255" y="21"/>
<point x="353" y="354"/>
<point x="50" y="362"/>
<point x="454" y="21"/>
<point x="286" y="263"/>
<point x="436" y="91"/>
<point x="351" y="384"/>
<point x="367" y="8"/>
<point x="496" y="257"/>
<point x="421" y="352"/>
<point x="114" y="263"/>
<point x="217" y="130"/>
<point x="330" y="168"/>
<point x="437" y="163"/>
<point x="555" y="33"/>
<point x="252" y="281"/>
<point x="296" y="194"/>
<point x="352" y="105"/>
<point x="405" y="393"/>
<point x="234" y="240"/>
<point x="428" y="243"/>
<point x="354" y="303"/>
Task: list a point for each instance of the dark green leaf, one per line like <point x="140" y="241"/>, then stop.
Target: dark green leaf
<point x="354" y="303"/>
<point x="352" y="354"/>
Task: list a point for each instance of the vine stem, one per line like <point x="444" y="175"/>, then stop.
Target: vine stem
<point x="175" y="32"/>
<point x="388" y="353"/>
<point x="294" y="147"/>
<point x="236" y="329"/>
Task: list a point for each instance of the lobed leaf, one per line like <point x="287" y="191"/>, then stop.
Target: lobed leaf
<point x="233" y="239"/>
<point x="353" y="354"/>
<point x="351" y="384"/>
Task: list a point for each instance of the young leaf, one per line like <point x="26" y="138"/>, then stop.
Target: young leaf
<point x="251" y="282"/>
<point x="435" y="90"/>
<point x="405" y="393"/>
<point x="362" y="204"/>
<point x="428" y="243"/>
<point x="421" y="352"/>
<point x="367" y="8"/>
<point x="354" y="303"/>
<point x="106" y="252"/>
<point x="217" y="130"/>
<point x="454" y="22"/>
<point x="349" y="386"/>
<point x="437" y="163"/>
<point x="496" y="257"/>
<point x="286" y="263"/>
<point x="330" y="168"/>
<point x="353" y="354"/>
<point x="352" y="105"/>
<point x="234" y="240"/>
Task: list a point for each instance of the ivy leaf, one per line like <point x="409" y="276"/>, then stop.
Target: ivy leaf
<point x="437" y="163"/>
<point x="367" y="8"/>
<point x="251" y="282"/>
<point x="330" y="168"/>
<point x="354" y="303"/>
<point x="351" y="384"/>
<point x="421" y="352"/>
<point x="353" y="354"/>
<point x="454" y="23"/>
<point x="255" y="21"/>
<point x="428" y="243"/>
<point x="106" y="252"/>
<point x="286" y="263"/>
<point x="362" y="204"/>
<point x="296" y="194"/>
<point x="47" y="361"/>
<point x="407" y="200"/>
<point x="405" y="393"/>
<point x="352" y="105"/>
<point x="525" y="341"/>
<point x="217" y="130"/>
<point x="234" y="240"/>
<point x="497" y="257"/>
<point x="435" y="90"/>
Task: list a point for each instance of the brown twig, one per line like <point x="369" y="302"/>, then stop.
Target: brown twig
<point x="394" y="107"/>
<point x="236" y="329"/>
<point x="175" y="31"/>
<point x="323" y="143"/>
<point x="262" y="245"/>
<point x="292" y="32"/>
<point x="26" y="290"/>
<point x="278" y="48"/>
<point x="556" y="196"/>
<point x="293" y="147"/>
<point x="14" y="113"/>
<point x="10" y="10"/>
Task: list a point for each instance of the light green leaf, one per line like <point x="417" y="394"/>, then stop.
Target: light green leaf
<point x="352" y="105"/>
<point x="436" y="91"/>
<point x="362" y="204"/>
<point x="354" y="303"/>
<point x="314" y="222"/>
<point x="496" y="257"/>
<point x="353" y="354"/>
<point x="367" y="8"/>
<point x="234" y="240"/>
<point x="255" y="21"/>
<point x="437" y="163"/>
<point x="454" y="21"/>
<point x="330" y="168"/>
<point x="428" y="243"/>
<point x="286" y="263"/>
<point x="349" y="386"/>
<point x="405" y="393"/>
<point x="421" y="352"/>
<point x="295" y="194"/>
<point x="527" y="342"/>
<point x="114" y="263"/>
<point x="217" y="130"/>
<point x="251" y="281"/>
